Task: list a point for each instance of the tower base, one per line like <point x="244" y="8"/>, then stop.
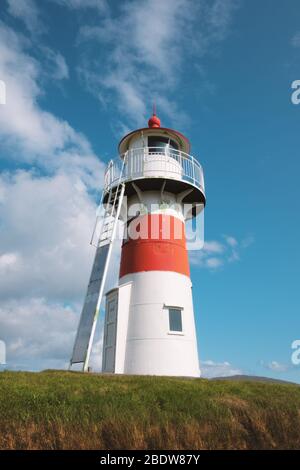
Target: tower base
<point x="149" y="326"/>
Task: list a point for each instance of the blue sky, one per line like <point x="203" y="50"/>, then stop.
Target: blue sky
<point x="81" y="73"/>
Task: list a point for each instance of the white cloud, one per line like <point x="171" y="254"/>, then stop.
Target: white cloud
<point x="26" y="11"/>
<point x="147" y="57"/>
<point x="46" y="227"/>
<point x="215" y="254"/>
<point x="31" y="134"/>
<point x="45" y="263"/>
<point x="7" y="262"/>
<point x="38" y="334"/>
<point x="96" y="356"/>
<point x="100" y="5"/>
<point x="247" y="241"/>
<point x="219" y="17"/>
<point x="276" y="366"/>
<point x="231" y="241"/>
<point x="214" y="262"/>
<point x="296" y="40"/>
<point x="44" y="266"/>
<point x="210" y="369"/>
<point x="55" y="63"/>
<point x="46" y="214"/>
<point x="213" y="247"/>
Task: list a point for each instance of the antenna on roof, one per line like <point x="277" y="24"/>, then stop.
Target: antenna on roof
<point x="154" y="108"/>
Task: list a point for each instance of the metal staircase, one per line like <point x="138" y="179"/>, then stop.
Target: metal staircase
<point x="90" y="312"/>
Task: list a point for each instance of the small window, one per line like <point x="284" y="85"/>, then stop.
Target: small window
<point x="175" y="319"/>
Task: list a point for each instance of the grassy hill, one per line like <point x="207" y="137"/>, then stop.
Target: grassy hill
<point x="70" y="410"/>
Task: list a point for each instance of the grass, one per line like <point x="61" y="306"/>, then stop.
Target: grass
<point x="71" y="410"/>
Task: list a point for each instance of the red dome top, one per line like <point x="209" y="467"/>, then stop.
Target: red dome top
<point x="154" y="121"/>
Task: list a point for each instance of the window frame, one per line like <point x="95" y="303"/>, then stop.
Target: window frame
<point x="180" y="309"/>
<point x="169" y="143"/>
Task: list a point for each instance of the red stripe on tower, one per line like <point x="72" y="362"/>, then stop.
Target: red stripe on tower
<point x="156" y="242"/>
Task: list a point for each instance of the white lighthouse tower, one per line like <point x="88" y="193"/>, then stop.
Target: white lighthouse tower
<point x="149" y="325"/>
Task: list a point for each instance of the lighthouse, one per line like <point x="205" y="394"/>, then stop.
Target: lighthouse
<point x="154" y="187"/>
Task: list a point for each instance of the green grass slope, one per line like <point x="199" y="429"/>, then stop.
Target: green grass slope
<point x="65" y="410"/>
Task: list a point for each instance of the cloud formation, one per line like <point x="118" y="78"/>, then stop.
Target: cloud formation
<point x="216" y="254"/>
<point x="147" y="57"/>
<point x="38" y="333"/>
<point x="296" y="39"/>
<point x="100" y="5"/>
<point x="210" y="369"/>
<point x="28" y="12"/>
<point x="29" y="133"/>
<point x="46" y="212"/>
<point x="47" y="223"/>
<point x="276" y="366"/>
<point x="45" y="263"/>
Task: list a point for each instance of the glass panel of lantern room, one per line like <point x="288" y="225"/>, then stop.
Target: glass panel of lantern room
<point x="160" y="144"/>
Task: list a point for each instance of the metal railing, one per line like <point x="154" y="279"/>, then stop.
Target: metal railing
<point x="154" y="162"/>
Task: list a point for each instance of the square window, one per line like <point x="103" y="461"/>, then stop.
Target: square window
<point x="175" y="319"/>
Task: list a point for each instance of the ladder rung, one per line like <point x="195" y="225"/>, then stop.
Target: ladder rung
<point x="111" y="224"/>
<point x="109" y="216"/>
<point x="108" y="221"/>
<point x="104" y="232"/>
<point x="107" y="229"/>
<point x="105" y="235"/>
<point x="104" y="242"/>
